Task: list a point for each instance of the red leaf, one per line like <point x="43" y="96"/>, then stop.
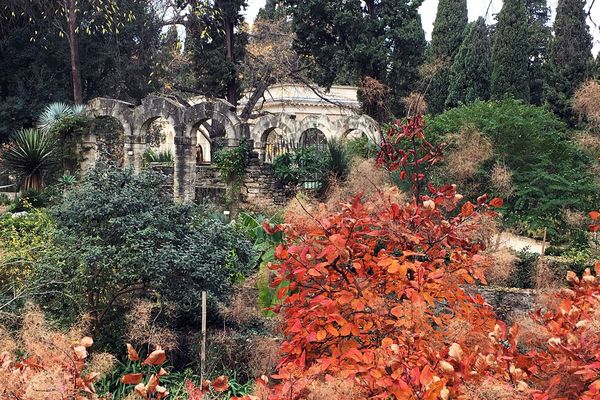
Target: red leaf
<point x="496" y="202"/>
<point x="220" y="384"/>
<point x="467" y="209"/>
<point x="132" y="379"/>
<point x="157" y="357"/>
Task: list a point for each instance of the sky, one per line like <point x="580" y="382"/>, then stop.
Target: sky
<point x="477" y="8"/>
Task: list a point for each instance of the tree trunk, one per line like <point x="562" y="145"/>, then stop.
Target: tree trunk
<point x="231" y="89"/>
<point x="261" y="87"/>
<point x="74" y="50"/>
<point x="370" y="7"/>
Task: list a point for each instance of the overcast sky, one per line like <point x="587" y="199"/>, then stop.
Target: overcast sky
<point x="476" y="8"/>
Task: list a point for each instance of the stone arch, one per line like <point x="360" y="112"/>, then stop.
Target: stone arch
<point x="361" y="123"/>
<point x="313" y="137"/>
<point x="154" y="107"/>
<point x="320" y="122"/>
<point x="284" y="124"/>
<point x="120" y="110"/>
<point x="221" y="112"/>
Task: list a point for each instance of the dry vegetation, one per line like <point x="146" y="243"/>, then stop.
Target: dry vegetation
<point x="585" y="103"/>
<point x="144" y="330"/>
<point x="415" y="104"/>
<point x="470" y="149"/>
<point x="502" y="180"/>
<point x="55" y="365"/>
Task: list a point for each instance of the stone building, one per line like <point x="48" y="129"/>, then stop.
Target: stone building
<point x="291" y="116"/>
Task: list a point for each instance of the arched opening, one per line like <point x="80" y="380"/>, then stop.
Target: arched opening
<point x="210" y="137"/>
<point x="110" y="142"/>
<point x="160" y="141"/>
<point x="355" y="134"/>
<point x="203" y="147"/>
<point x="275" y="144"/>
<point x="314" y="138"/>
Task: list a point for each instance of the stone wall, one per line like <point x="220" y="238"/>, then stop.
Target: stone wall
<point x="508" y="303"/>
<point x="260" y="186"/>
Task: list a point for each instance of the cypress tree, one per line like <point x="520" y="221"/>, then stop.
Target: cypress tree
<point x="570" y="56"/>
<point x="471" y="70"/>
<point x="446" y="38"/>
<point x="510" y="52"/>
<point x="540" y="33"/>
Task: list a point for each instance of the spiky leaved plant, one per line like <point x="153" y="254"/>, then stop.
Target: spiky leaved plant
<point x="30" y="155"/>
<point x="54" y="112"/>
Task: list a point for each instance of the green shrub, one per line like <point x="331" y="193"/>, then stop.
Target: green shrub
<point x="68" y="132"/>
<point x="549" y="172"/>
<point x="301" y="165"/>
<point x="121" y="237"/>
<point x="361" y="147"/>
<point x="24" y="239"/>
<point x="525" y="270"/>
<point x="153" y="156"/>
<point x="233" y="162"/>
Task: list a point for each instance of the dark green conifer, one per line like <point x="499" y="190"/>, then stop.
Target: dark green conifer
<point x="510" y="52"/>
<point x="570" y="56"/>
<point x="540" y="33"/>
<point x="471" y="71"/>
<point x="446" y="38"/>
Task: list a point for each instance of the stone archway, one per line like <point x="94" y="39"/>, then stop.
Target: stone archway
<point x="284" y="126"/>
<point x="319" y="122"/>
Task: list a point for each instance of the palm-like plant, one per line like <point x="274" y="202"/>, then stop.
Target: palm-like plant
<point x="55" y="112"/>
<point x="30" y="155"/>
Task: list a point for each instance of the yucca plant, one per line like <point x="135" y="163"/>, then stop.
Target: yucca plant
<point x="55" y="112"/>
<point x="338" y="163"/>
<point x="152" y="156"/>
<point x="29" y="154"/>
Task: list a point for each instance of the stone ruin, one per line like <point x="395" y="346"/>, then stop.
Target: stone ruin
<point x="196" y="130"/>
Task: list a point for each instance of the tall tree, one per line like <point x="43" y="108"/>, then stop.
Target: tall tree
<point x="70" y="18"/>
<point x="570" y="56"/>
<point x="270" y="58"/>
<point x="273" y="10"/>
<point x="373" y="41"/>
<point x="216" y="42"/>
<point x="510" y="52"/>
<point x="471" y="71"/>
<point x="540" y="33"/>
<point x="34" y="73"/>
<point x="446" y="38"/>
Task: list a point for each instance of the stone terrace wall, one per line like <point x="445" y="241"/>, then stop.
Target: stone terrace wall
<point x="507" y="302"/>
<point x="261" y="187"/>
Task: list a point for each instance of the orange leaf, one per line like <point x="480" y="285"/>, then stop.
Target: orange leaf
<point x="332" y="331"/>
<point x="467" y="209"/>
<point x="80" y="352"/>
<point x="220" y="384"/>
<point x="321" y="334"/>
<point x="345" y="297"/>
<point x="397" y="311"/>
<point x="157" y="357"/>
<point x="131" y="353"/>
<point x="496" y="202"/>
<point x="595" y="215"/>
<point x="131" y="379"/>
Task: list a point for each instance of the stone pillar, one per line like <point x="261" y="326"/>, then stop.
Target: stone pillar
<point x="184" y="173"/>
<point x="135" y="146"/>
<point x="88" y="148"/>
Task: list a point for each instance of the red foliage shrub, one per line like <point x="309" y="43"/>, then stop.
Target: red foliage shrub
<point x="374" y="299"/>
